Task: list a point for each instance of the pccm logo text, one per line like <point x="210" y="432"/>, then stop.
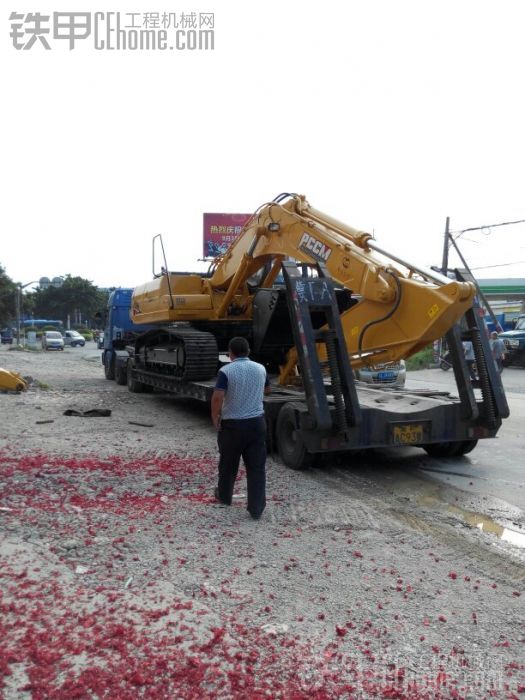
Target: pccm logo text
<point x="108" y="35"/>
<point x="317" y="249"/>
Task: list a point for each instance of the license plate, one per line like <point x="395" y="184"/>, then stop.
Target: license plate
<point x="407" y="434"/>
<point x="383" y="376"/>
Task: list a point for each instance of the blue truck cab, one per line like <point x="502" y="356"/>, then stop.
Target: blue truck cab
<point x="119" y="331"/>
<point x="515" y="343"/>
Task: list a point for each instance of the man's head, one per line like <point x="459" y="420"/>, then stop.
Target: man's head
<point x="494" y="334"/>
<point x="239" y="347"/>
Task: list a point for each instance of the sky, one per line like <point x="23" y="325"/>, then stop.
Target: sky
<point x="389" y="116"/>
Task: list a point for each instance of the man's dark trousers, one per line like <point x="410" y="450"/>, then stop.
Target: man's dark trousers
<point x="247" y="439"/>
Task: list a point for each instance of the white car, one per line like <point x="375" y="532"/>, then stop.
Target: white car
<point x="389" y="374"/>
<point x="74" y="338"/>
<point x="52" y="340"/>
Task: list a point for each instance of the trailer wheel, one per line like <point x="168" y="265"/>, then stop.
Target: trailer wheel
<point x="133" y="385"/>
<point x="121" y="374"/>
<point x="109" y="365"/>
<point x="467" y="446"/>
<point x="290" y="445"/>
<point x="450" y="449"/>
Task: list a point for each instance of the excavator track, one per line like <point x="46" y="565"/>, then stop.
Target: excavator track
<point x="201" y="361"/>
<point x="185" y="353"/>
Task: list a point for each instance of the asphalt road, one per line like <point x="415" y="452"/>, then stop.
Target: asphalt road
<point x="495" y="469"/>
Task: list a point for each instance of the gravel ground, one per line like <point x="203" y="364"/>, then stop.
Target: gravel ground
<point x="121" y="578"/>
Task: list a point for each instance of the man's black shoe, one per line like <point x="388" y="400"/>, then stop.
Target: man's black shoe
<point x="218" y="498"/>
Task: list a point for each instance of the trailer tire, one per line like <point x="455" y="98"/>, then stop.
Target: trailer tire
<point x="450" y="449"/>
<point x="467" y="446"/>
<point x="109" y="365"/>
<point x="133" y="385"/>
<point x="290" y="445"/>
<point x="121" y="374"/>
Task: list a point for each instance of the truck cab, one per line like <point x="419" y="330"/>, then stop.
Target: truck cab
<point x="119" y="331"/>
<point x="515" y="343"/>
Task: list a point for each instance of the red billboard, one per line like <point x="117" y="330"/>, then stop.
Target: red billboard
<point x="220" y="230"/>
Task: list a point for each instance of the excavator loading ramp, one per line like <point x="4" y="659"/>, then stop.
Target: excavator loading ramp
<point x="307" y="295"/>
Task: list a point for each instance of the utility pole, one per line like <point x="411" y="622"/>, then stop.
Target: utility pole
<point x="19" y="288"/>
<point x="444" y="264"/>
<point x="438" y="345"/>
<point x="18" y="294"/>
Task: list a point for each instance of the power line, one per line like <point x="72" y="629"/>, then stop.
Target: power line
<point x="480" y="228"/>
<point x="488" y="267"/>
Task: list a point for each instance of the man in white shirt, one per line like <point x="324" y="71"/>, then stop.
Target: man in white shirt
<point x="237" y="413"/>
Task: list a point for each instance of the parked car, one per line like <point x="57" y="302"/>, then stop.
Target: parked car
<point x="52" y="340"/>
<point x="100" y="341"/>
<point x="389" y="374"/>
<point x="7" y="336"/>
<point x="74" y="338"/>
<point x="515" y="343"/>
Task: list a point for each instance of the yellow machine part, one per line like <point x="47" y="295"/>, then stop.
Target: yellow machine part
<point x="11" y="381"/>
<point x="400" y="308"/>
<point x="164" y="300"/>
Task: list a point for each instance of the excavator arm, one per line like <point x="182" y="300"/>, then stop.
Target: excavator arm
<point x="398" y="313"/>
<point x="400" y="308"/>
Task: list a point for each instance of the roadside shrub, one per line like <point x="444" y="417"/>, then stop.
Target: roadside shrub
<point x="85" y="332"/>
<point x="422" y="359"/>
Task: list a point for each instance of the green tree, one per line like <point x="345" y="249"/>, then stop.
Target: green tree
<point x="76" y="298"/>
<point x="7" y="299"/>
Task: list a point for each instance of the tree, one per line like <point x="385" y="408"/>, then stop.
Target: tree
<point x="7" y="299"/>
<point x="76" y="298"/>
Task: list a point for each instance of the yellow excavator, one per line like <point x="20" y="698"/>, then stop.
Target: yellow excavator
<point x="396" y="311"/>
<point x="316" y="299"/>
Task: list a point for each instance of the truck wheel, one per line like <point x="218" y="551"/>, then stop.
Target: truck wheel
<point x="109" y="365"/>
<point x="133" y="385"/>
<point x="121" y="374"/>
<point x="289" y="442"/>
<point x="442" y="449"/>
<point x="450" y="449"/>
